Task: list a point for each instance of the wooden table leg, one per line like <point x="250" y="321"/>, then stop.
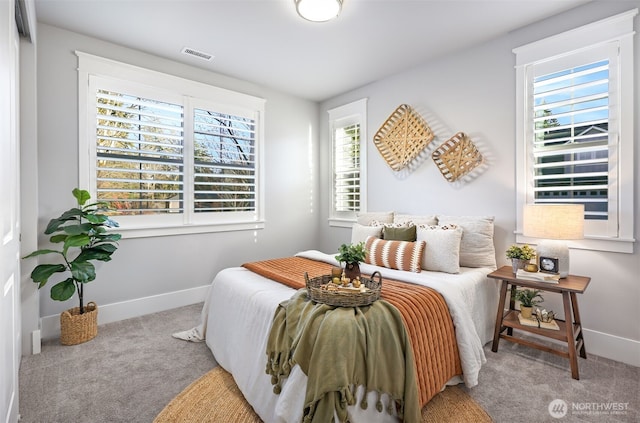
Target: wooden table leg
<point x="571" y="342"/>
<point x="512" y="303"/>
<point x="499" y="317"/>
<point x="576" y="320"/>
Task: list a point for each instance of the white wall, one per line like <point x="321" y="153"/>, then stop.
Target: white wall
<point x="474" y="91"/>
<point x="471" y="91"/>
<point x="29" y="192"/>
<point x="148" y="267"/>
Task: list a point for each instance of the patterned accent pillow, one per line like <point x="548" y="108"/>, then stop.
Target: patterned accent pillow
<point x="382" y="224"/>
<point x="442" y="249"/>
<point x="400" y="255"/>
<point x="412" y="219"/>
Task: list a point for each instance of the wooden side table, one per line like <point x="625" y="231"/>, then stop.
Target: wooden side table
<point x="570" y="328"/>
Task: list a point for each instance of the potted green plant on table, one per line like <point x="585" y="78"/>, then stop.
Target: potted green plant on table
<point x="520" y="255"/>
<point x="82" y="231"/>
<point x="352" y="255"/>
<point x="528" y="298"/>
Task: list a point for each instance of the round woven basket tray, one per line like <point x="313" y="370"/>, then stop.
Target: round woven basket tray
<point x="344" y="298"/>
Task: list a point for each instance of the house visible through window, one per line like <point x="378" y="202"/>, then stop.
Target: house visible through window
<point x="348" y="136"/>
<point x="575" y="127"/>
<point x="571" y="138"/>
<point x="164" y="158"/>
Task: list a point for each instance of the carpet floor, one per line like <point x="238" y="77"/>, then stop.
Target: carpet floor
<point x="134" y="368"/>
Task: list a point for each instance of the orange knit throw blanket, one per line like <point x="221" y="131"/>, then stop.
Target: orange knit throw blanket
<point x="425" y="313"/>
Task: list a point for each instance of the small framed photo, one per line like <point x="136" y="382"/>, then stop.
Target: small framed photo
<point x="549" y="265"/>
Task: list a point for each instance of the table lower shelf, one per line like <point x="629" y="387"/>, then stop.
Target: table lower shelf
<point x="511" y="320"/>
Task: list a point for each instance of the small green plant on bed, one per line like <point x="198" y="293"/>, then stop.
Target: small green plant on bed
<point x="351" y="253"/>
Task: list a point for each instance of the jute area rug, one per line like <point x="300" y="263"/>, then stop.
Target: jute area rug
<point x="216" y="398"/>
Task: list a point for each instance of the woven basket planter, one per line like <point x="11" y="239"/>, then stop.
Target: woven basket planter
<point x="76" y="328"/>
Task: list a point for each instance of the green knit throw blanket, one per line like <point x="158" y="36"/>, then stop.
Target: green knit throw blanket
<point x="340" y="348"/>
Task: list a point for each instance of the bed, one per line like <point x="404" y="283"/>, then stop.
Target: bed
<point x="238" y="315"/>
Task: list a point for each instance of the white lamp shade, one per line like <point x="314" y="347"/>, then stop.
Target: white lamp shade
<point x="553" y="221"/>
<point x="318" y="10"/>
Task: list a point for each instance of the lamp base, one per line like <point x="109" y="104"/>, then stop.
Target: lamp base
<point x="555" y="249"/>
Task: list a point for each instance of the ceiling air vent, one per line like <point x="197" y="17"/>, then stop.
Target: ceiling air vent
<point x="196" y="53"/>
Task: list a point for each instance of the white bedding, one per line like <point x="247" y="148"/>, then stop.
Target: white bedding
<point x="238" y="313"/>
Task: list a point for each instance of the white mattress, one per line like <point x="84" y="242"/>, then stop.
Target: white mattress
<point x="239" y="310"/>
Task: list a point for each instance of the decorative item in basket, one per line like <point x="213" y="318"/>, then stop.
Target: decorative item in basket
<point x="322" y="289"/>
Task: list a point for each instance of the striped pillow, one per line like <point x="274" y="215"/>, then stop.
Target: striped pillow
<point x="400" y="255"/>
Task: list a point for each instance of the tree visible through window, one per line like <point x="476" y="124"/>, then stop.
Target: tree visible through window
<point x="224" y="162"/>
<point x="141" y="159"/>
<point x="168" y="154"/>
<point x="139" y="148"/>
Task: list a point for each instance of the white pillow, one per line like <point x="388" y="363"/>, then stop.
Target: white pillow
<point x="366" y="218"/>
<point x="360" y="233"/>
<point x="476" y="246"/>
<point x="408" y="219"/>
<point x="442" y="249"/>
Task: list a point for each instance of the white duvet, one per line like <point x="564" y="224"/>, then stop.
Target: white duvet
<point x="238" y="312"/>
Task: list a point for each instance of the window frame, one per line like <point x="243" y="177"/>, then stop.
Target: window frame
<point x="190" y="94"/>
<point x="616" y="29"/>
<point x="343" y="116"/>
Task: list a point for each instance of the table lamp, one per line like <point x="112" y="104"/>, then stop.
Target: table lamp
<point x="555" y="223"/>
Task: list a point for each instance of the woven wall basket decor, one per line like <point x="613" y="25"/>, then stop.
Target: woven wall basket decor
<point x="456" y="157"/>
<point x="402" y="137"/>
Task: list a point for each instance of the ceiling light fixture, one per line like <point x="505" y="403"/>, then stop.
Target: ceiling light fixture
<point x="318" y="10"/>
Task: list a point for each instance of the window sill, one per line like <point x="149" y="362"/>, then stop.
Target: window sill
<point x="596" y="244"/>
<point x="148" y="232"/>
<point x="341" y="223"/>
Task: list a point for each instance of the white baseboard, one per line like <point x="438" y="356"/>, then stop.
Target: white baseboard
<point x="613" y="347"/>
<point x="36" y="342"/>
<point x="108" y="313"/>
<point x="602" y="344"/>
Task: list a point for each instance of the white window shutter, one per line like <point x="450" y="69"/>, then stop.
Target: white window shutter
<point x="139" y="154"/>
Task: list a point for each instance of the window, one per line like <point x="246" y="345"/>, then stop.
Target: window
<point x="575" y="128"/>
<point x="176" y="159"/>
<point x="348" y="137"/>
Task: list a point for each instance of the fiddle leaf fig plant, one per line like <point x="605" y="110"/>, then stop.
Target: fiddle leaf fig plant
<point x="82" y="233"/>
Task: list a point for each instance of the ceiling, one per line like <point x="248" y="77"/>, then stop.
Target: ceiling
<point x="267" y="43"/>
